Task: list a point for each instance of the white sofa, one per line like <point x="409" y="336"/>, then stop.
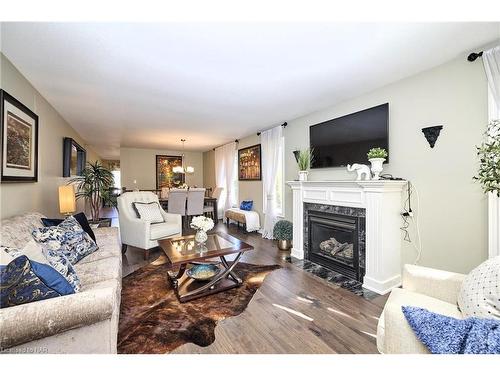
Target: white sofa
<point x="141" y="233"/>
<point x="84" y="322"/>
<point x="432" y="289"/>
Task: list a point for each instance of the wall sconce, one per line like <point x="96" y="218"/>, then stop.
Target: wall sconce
<point x="296" y="154"/>
<point x="431" y="133"/>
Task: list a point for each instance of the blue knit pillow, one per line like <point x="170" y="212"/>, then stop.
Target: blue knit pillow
<point x="23" y="281"/>
<point x="246" y="205"/>
<point x="446" y="335"/>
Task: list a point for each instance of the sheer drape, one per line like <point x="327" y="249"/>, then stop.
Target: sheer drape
<point x="491" y="61"/>
<point x="271" y="149"/>
<point x="225" y="175"/>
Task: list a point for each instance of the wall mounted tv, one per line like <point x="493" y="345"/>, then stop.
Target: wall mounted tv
<point x="347" y="139"/>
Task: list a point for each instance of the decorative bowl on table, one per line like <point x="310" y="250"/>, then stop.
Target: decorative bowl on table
<point x="203" y="272"/>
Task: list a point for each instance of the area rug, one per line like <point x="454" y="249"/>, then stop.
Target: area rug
<point x="152" y="320"/>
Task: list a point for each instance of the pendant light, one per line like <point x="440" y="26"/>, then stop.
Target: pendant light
<point x="181" y="169"/>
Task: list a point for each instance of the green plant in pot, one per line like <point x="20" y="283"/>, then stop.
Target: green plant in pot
<point x="377" y="156"/>
<point x="93" y="185"/>
<point x="304" y="160"/>
<point x="283" y="232"/>
<point x="489" y="160"/>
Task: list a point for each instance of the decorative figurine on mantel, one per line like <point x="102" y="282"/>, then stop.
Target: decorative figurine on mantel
<point x="362" y="170"/>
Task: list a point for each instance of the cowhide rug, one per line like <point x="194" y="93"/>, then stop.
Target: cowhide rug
<point x="152" y="320"/>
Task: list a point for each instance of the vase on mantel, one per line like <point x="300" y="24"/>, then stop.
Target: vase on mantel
<point x="303" y="175"/>
<point x="377" y="167"/>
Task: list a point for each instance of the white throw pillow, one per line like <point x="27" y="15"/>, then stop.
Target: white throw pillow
<point x="480" y="292"/>
<point x="149" y="211"/>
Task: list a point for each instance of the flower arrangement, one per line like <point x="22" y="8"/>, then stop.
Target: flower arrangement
<point x="202" y="223"/>
<point x="489" y="160"/>
<point x="377" y="153"/>
<point x="283" y="230"/>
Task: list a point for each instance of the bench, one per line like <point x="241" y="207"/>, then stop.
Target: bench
<point x="239" y="216"/>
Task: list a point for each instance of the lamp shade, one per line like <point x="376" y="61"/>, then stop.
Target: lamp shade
<point x="67" y="203"/>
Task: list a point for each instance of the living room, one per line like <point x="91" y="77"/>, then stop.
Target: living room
<point x="250" y="188"/>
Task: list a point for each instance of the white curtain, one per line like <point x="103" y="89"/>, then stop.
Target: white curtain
<point x="271" y="148"/>
<point x="225" y="175"/>
<point x="491" y="61"/>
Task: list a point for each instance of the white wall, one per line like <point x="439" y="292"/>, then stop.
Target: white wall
<point x="140" y="164"/>
<point x="453" y="216"/>
<point x="41" y="196"/>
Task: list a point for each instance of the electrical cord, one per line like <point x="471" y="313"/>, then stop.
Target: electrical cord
<point x="408" y="215"/>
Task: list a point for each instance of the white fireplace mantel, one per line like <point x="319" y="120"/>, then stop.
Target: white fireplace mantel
<point x="382" y="200"/>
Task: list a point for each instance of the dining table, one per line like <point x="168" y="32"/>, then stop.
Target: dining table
<point x="208" y="201"/>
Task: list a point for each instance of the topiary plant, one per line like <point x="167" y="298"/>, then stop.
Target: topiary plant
<point x="376" y="153"/>
<point x="283" y="230"/>
<point x="489" y="160"/>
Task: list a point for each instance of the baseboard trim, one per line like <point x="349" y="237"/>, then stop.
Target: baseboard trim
<point x="382" y="287"/>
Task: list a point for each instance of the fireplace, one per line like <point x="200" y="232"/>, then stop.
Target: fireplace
<point x="334" y="238"/>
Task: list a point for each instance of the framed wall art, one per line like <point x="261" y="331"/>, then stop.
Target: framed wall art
<point x="165" y="176"/>
<point x="74" y="158"/>
<point x="250" y="163"/>
<point x="19" y="140"/>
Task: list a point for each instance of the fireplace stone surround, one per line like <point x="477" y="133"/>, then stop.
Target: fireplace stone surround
<point x="381" y="201"/>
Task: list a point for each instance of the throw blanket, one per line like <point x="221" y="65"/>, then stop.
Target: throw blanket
<point x="445" y="335"/>
<point x="252" y="220"/>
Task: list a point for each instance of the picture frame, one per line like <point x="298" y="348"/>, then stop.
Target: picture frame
<point x="74" y="158"/>
<point x="165" y="177"/>
<point x="250" y="163"/>
<point x="19" y="141"/>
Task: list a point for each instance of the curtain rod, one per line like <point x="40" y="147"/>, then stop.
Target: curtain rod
<point x="283" y="125"/>
<point x="236" y="140"/>
<point x="473" y="56"/>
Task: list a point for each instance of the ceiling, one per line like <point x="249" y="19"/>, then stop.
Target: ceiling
<point x="150" y="84"/>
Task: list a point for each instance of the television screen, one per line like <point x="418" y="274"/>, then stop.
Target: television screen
<point x="347" y="139"/>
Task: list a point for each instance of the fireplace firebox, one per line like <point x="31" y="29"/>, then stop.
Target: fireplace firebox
<point x="335" y="239"/>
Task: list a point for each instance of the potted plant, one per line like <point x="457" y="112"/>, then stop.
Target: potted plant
<point x="93" y="185"/>
<point x="304" y="160"/>
<point x="376" y="156"/>
<point x="489" y="160"/>
<point x="283" y="232"/>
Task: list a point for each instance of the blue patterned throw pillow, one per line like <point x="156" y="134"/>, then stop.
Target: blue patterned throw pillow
<point x="23" y="281"/>
<point x="67" y="238"/>
<point x="246" y="205"/>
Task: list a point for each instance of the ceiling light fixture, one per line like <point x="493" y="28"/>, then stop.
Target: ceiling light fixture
<point x="181" y="169"/>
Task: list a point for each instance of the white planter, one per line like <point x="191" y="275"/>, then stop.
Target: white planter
<point x="376" y="167"/>
<point x="303" y="175"/>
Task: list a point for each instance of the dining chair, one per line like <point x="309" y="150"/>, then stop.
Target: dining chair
<point x="195" y="200"/>
<point x="177" y="201"/>
<point x="209" y="210"/>
<point x="164" y="193"/>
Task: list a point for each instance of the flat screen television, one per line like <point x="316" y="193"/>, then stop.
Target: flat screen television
<point x="347" y="139"/>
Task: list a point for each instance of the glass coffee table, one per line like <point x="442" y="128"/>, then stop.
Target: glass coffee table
<point x="183" y="251"/>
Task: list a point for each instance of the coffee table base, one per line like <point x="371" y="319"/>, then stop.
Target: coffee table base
<point x="188" y="289"/>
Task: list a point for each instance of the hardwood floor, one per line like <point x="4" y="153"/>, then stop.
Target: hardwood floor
<point x="293" y="312"/>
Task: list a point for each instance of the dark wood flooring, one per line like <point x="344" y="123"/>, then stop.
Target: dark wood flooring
<point x="293" y="312"/>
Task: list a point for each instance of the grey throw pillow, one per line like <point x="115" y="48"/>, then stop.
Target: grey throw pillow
<point x="480" y="292"/>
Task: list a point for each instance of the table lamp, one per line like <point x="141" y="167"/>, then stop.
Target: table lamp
<point x="67" y="203"/>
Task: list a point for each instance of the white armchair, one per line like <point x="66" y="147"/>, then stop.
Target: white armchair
<point x="428" y="288"/>
<point x="141" y="233"/>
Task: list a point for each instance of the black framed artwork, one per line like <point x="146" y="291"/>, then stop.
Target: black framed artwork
<point x="74" y="158"/>
<point x="19" y="140"/>
<point x="165" y="175"/>
<point x="250" y="163"/>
